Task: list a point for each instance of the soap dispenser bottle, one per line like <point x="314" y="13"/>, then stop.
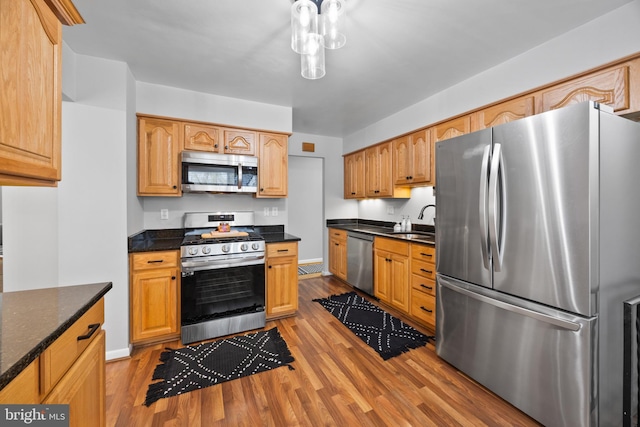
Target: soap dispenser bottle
<point x="403" y="226"/>
<point x="397" y="228"/>
<point x="408" y="225"/>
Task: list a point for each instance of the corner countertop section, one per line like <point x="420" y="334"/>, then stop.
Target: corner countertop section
<point x="32" y="320"/>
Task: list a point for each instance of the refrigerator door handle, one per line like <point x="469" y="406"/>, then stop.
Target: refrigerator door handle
<point x="565" y="324"/>
<point x="496" y="202"/>
<point x="484" y="188"/>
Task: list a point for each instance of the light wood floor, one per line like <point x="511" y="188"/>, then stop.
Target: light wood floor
<point x="337" y="381"/>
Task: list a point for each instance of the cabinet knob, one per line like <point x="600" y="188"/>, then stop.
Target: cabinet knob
<point x="173" y="277"/>
<point x="269" y="266"/>
<point x="175" y="187"/>
<point x="215" y="145"/>
<point x="226" y="147"/>
<point x="262" y="189"/>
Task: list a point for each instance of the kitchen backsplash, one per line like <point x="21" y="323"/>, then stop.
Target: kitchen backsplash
<point x="395" y="209"/>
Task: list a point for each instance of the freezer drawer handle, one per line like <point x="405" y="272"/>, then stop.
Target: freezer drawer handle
<point x="566" y="324"/>
<point x="422" y="307"/>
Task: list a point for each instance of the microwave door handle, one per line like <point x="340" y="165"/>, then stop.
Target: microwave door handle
<point x="239" y="176"/>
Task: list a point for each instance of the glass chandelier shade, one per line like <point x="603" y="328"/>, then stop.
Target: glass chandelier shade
<point x="311" y="32"/>
<point x="304" y="21"/>
<point x="332" y="23"/>
<point x="312" y="62"/>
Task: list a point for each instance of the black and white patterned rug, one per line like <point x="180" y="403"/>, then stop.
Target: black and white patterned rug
<point x="386" y="334"/>
<point x="203" y="365"/>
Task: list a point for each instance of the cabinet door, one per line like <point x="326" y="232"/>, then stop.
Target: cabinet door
<point x="609" y="87"/>
<point x="382" y="275"/>
<point x="31" y="100"/>
<point x="201" y="138"/>
<point x="83" y="387"/>
<point x="503" y="113"/>
<point x="452" y="128"/>
<point x="399" y="282"/>
<point x="354" y="166"/>
<point x="23" y="389"/>
<point x="338" y="258"/>
<point x="239" y="142"/>
<point x="402" y="162"/>
<point x="282" y="286"/>
<point x="158" y="152"/>
<point x="372" y="172"/>
<point x="154" y="303"/>
<point x="385" y="158"/>
<point x="272" y="172"/>
<point x="420" y="152"/>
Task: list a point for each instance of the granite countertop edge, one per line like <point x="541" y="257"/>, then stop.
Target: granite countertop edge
<point x="170" y="239"/>
<point x="379" y="228"/>
<point x="12" y="372"/>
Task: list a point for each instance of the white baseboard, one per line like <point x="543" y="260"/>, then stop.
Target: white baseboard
<point x="118" y="354"/>
<point x="310" y="261"/>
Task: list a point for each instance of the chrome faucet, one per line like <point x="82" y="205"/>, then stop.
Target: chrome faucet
<point x="421" y="215"/>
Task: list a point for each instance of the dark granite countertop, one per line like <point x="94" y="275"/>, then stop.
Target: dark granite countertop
<point x="383" y="229"/>
<point x="32" y="320"/>
<point x="170" y="239"/>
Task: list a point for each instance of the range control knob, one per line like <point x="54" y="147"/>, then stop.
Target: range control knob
<point x="244" y="247"/>
<point x="206" y="250"/>
<point x="225" y="248"/>
<point x="193" y="250"/>
<point x="255" y="246"/>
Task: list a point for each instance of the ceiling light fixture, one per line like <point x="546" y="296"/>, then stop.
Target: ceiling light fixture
<point x="312" y="32"/>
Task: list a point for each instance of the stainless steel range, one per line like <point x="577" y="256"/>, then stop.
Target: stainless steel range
<point x="223" y="282"/>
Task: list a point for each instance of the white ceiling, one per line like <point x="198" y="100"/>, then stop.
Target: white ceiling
<point x="398" y="52"/>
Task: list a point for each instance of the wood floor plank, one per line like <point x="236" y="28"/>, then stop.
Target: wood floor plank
<point x="337" y="381"/>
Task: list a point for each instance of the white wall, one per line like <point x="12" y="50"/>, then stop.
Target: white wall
<point x="92" y="210"/>
<point x="610" y="37"/>
<point x="306" y="207"/>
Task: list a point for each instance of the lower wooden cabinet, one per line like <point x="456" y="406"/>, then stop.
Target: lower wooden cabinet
<point x="423" y="284"/>
<point x="338" y="253"/>
<point x="70" y="371"/>
<point x="83" y="387"/>
<point x="154" y="289"/>
<point x="281" y="274"/>
<point x="391" y="272"/>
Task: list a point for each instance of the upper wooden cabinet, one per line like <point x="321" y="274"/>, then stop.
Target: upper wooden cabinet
<point x="273" y="164"/>
<point x="379" y="173"/>
<point x="452" y="128"/>
<point x="239" y="142"/>
<point x="502" y="113"/>
<point x="158" y="157"/>
<point x="412" y="159"/>
<point x="610" y="87"/>
<point x="354" y="176"/>
<point x="31" y="87"/>
<point x="201" y="137"/>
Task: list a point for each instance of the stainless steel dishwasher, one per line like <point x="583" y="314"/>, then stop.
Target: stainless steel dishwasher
<point x="360" y="261"/>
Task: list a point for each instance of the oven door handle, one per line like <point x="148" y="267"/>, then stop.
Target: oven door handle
<point x="191" y="266"/>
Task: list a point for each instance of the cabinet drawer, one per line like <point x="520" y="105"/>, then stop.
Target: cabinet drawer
<point x="423" y="269"/>
<point x="147" y="260"/>
<point x="282" y="249"/>
<point x="424" y="253"/>
<point x="391" y="245"/>
<point x="423" y="284"/>
<point x="64" y="351"/>
<point x="337" y="234"/>
<point x="423" y="307"/>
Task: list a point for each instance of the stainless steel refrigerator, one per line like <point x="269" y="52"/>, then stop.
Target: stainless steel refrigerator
<point x="538" y="245"/>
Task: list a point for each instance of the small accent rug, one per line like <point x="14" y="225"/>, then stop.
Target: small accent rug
<point x="203" y="365"/>
<point x="310" y="269"/>
<point x="384" y="333"/>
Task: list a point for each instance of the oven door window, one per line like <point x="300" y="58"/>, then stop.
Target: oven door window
<point x="210" y="294"/>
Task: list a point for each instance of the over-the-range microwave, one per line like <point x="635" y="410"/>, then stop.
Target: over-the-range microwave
<point x="218" y="173"/>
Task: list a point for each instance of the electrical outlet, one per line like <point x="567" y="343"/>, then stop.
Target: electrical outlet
<point x="266" y="211"/>
<point x="390" y="210"/>
<point x="274" y="211"/>
<point x="164" y="213"/>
